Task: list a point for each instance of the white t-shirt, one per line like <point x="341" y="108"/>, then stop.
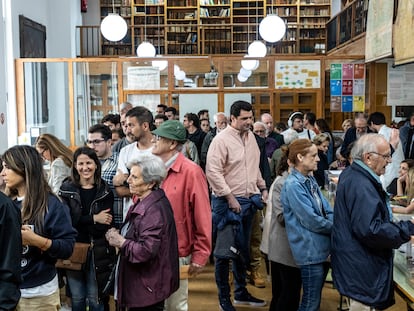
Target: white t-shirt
<point x="126" y="155"/>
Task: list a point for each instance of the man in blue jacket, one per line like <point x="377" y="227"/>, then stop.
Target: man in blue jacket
<point x="364" y="235"/>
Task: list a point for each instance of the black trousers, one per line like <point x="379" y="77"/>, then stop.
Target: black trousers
<point x="286" y="285"/>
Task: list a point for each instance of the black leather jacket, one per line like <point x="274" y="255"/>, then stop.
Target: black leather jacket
<point x="102" y="254"/>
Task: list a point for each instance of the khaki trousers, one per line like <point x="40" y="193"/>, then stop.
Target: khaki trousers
<point x="42" y="303"/>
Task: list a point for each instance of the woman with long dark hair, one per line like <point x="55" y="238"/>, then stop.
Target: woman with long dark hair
<point x="91" y="203"/>
<point x="47" y="233"/>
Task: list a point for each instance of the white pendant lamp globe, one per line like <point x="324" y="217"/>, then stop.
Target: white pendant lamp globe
<point x="180" y="75"/>
<point x="159" y="63"/>
<point x="272" y="28"/>
<point x="241" y="78"/>
<point x="146" y="49"/>
<point x="114" y="27"/>
<point x="257" y="49"/>
<point x="250" y="64"/>
<point x="245" y="73"/>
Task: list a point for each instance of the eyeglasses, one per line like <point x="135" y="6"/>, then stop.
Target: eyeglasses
<point x="94" y="142"/>
<point x="156" y="137"/>
<point x="386" y="157"/>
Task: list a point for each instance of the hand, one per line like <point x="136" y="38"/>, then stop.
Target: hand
<point x="28" y="235"/>
<point x="104" y="217"/>
<point x="114" y="238"/>
<point x="119" y="179"/>
<point x="265" y="195"/>
<point x="195" y="269"/>
<point x="395" y="138"/>
<point x="234" y="205"/>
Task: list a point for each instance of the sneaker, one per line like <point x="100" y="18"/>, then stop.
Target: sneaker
<point x="257" y="280"/>
<point x="225" y="305"/>
<point x="249" y="300"/>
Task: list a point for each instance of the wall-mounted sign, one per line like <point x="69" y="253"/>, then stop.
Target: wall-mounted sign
<point x="347" y="85"/>
<point x="302" y="74"/>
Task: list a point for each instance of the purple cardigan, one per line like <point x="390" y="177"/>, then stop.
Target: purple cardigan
<point x="148" y="272"/>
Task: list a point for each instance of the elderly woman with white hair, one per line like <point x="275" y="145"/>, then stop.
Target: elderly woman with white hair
<point x="147" y="271"/>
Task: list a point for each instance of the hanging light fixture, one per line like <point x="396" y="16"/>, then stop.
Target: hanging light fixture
<point x="272" y="28"/>
<point x="113" y="26"/>
<point x="250" y="64"/>
<point x="241" y="78"/>
<point x="257" y="48"/>
<point x="145" y="49"/>
<point x="245" y="73"/>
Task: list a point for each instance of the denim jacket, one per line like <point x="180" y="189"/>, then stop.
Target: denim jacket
<point x="308" y="223"/>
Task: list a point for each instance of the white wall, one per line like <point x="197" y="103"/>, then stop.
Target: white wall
<point x="60" y="19"/>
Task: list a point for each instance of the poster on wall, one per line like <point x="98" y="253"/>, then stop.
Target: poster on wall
<point x="400" y="88"/>
<point x="378" y="37"/>
<point x="347" y="86"/>
<point x="302" y="74"/>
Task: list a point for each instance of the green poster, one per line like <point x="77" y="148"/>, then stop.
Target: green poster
<point x="336" y="71"/>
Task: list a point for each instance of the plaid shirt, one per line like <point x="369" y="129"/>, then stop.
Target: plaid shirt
<point x="109" y="169"/>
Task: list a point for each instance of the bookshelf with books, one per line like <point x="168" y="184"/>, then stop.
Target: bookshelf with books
<point x="215" y="30"/>
<point x="123" y="8"/>
<point x="305" y="25"/>
<point x="148" y="18"/>
<point x="182" y="35"/>
<point x="246" y="15"/>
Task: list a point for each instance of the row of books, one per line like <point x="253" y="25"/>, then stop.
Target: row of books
<point x="216" y="12"/>
<point x="214" y="2"/>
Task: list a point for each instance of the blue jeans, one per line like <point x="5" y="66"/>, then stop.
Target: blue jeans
<point x="83" y="287"/>
<point x="239" y="265"/>
<point x="313" y="278"/>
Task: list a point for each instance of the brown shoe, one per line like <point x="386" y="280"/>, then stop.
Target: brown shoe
<point x="257" y="280"/>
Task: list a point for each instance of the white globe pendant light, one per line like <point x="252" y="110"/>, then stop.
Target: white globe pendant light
<point x="180" y="75"/>
<point x="114" y="27"/>
<point x="146" y="49"/>
<point x="241" y="78"/>
<point x="160" y="64"/>
<point x="245" y="73"/>
<point x="250" y="64"/>
<point x="257" y="49"/>
<point x="272" y="28"/>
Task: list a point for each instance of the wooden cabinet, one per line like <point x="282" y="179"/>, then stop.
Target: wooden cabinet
<point x="103" y="96"/>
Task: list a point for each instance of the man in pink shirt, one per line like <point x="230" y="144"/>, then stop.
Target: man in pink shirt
<point x="234" y="176"/>
<point x="186" y="189"/>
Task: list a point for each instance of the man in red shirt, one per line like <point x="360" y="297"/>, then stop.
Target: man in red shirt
<point x="186" y="189"/>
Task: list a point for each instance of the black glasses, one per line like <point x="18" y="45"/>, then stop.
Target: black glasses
<point x="386" y="157"/>
<point x="94" y="142"/>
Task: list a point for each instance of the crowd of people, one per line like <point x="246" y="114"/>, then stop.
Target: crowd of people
<point x="155" y="199"/>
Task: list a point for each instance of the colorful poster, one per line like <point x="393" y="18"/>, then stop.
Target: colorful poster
<point x="336" y="87"/>
<point x="336" y="103"/>
<point x="347" y="103"/>
<point x="359" y="103"/>
<point x="359" y="87"/>
<point x="302" y="74"/>
<point x="359" y="71"/>
<point x="347" y="71"/>
<point x="347" y="86"/>
<point x="336" y="71"/>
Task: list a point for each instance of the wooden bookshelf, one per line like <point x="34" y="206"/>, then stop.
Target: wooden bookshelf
<point x="182" y="35"/>
<point x="199" y="27"/>
<point x="305" y="25"/>
<point x="246" y="15"/>
<point x="148" y="18"/>
<point x="215" y="33"/>
<point x="123" y="8"/>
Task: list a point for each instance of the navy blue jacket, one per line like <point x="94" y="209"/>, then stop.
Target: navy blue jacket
<point x="38" y="267"/>
<point x="363" y="238"/>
